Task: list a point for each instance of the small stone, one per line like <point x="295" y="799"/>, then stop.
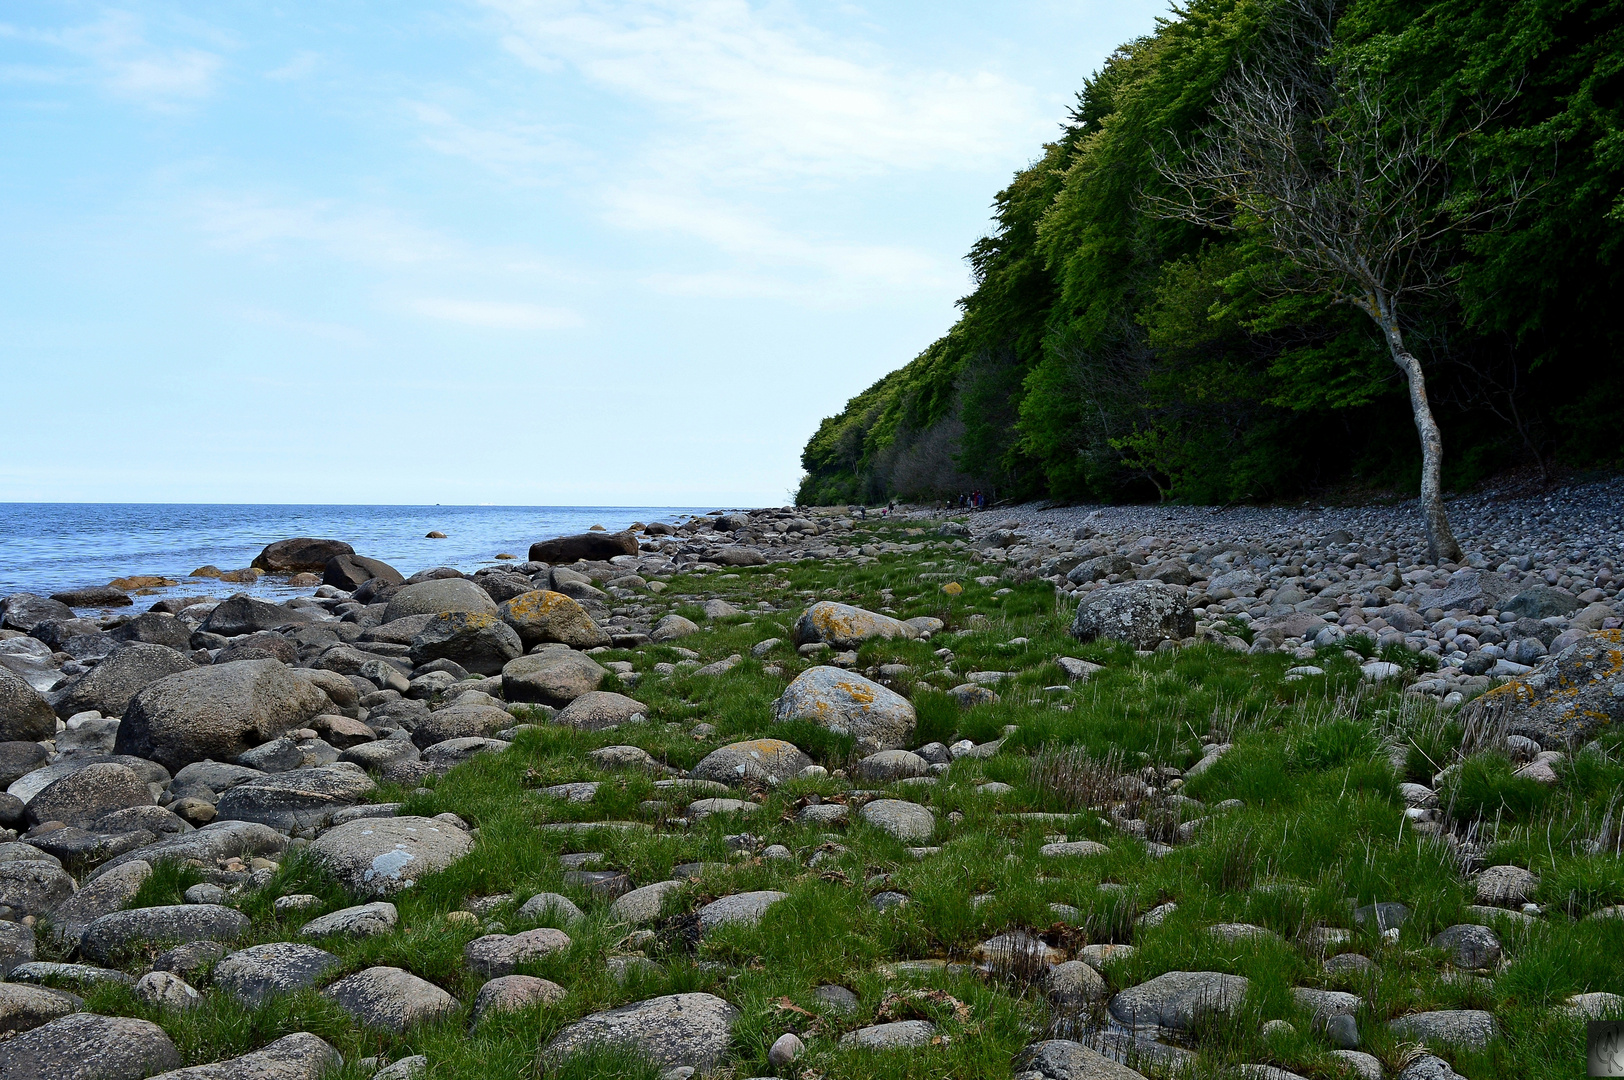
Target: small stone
<point x="499" y="954"/>
<point x="364" y="920"/>
<point x="785" y="1049"/>
<point x="901" y="1035"/>
<point x="390" y="998"/>
<point x="511" y="993"/>
<point x="165" y="990"/>
<point x="256" y="974"/>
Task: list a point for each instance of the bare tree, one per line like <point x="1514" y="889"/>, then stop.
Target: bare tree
<point x="1357" y="193"/>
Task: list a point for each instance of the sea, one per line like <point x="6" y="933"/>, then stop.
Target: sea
<point x="50" y="547"/>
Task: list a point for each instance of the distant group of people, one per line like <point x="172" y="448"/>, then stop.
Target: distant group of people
<point x="972" y="500"/>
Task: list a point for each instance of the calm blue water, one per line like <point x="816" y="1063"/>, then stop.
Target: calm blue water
<point x="48" y="547"/>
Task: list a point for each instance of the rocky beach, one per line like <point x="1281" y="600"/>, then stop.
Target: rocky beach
<point x="1057" y="793"/>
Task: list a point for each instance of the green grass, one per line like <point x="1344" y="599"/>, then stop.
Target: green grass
<point x="1320" y="828"/>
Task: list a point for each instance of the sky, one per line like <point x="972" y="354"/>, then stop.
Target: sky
<point x="523" y="252"/>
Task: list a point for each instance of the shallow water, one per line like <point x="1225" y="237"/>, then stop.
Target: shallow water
<point x="48" y="547"/>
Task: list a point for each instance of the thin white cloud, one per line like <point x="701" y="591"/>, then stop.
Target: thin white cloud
<point x="754" y="93"/>
<point x="301" y="65"/>
<point x="126" y="63"/>
<point x="516" y="151"/>
<point x="497" y="315"/>
<point x="364" y="235"/>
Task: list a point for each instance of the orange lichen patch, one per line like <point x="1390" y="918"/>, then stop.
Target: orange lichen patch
<point x="858" y="692"/>
<point x="953" y="588"/>
<point x="764" y="747"/>
<point x="148" y="581"/>
<point x="540" y="603"/>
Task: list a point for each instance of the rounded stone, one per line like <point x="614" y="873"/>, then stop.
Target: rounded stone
<point x="759" y="760"/>
<point x="889" y="765"/>
<point x="542" y="616"/>
<point x="511" y="993"/>
<point x="740" y="909"/>
<point x="900" y="1035"/>
<point x="848" y="704"/>
<point x="118" y="934"/>
<point x="1178" y="999"/>
<point x="908" y="822"/>
<point x="499" y="954"/>
<point x="260" y="972"/>
<point x="86" y="1046"/>
<point x="556" y="677"/>
<point x="438" y="596"/>
<point x="24" y="1007"/>
<point x="390" y="998"/>
<point x="841" y="626"/>
<point x="380" y="855"/>
<point x="600" y="710"/>
<point x="165" y="990"/>
<point x="676" y="1030"/>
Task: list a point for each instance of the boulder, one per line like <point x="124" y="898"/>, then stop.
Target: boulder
<point x="117" y="935"/>
<point x="85" y="1046"/>
<point x="297" y="799"/>
<point x="542" y="616"/>
<point x="108" y="687"/>
<point x="155" y="628"/>
<point x="390" y="998"/>
<point x="16" y="946"/>
<point x="299" y="554"/>
<point x="1471" y="1029"/>
<point x="1062" y="1059"/>
<point x="511" y="993"/>
<point x="499" y="954"/>
<point x="740" y="909"/>
<point x="587" y="545"/>
<point x="165" y="990"/>
<point x="1469" y="946"/>
<point x="281" y="967"/>
<point x="643" y="905"/>
<point x="32" y="888"/>
<point x="897" y="1035"/>
<point x="889" y="765"/>
<point x="363" y="920"/>
<point x="1506" y="886"/>
<point x="908" y="822"/>
<point x="216" y="712"/>
<point x="599" y="710"/>
<point x="209" y="845"/>
<point x="841" y="626"/>
<point x="111" y="891"/>
<point x="350" y="571"/>
<point x="1141" y="613"/>
<point x="24" y="1007"/>
<point x="260" y="645"/>
<point x="556" y="677"/>
<point x="25" y="715"/>
<point x="439" y="596"/>
<point x="478" y="641"/>
<point x="1101" y="567"/>
<point x="460" y="722"/>
<point x="1541" y="602"/>
<point x="848" y="704"/>
<point x="1178" y="999"/>
<point x="677" y="1030"/>
<point x="300" y="1056"/>
<point x="19" y="758"/>
<point x="1569" y="698"/>
<point x="82" y="797"/>
<point x="442" y="757"/>
<point x="96" y="596"/>
<point x="381" y="855"/>
<point x="767" y="761"/>
<point x="244" y="615"/>
<point x="24" y="611"/>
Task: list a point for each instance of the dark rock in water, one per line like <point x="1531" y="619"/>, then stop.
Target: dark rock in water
<point x="302" y="553"/>
<point x="96" y="596"/>
<point x="19" y="757"/>
<point x="109" y="686"/>
<point x="82" y="797"/>
<point x="1141" y="613"/>
<point x="155" y="628"/>
<point x="217" y="712"/>
<point x="479" y="641"/>
<point x="244" y="615"/>
<point x="260" y="645"/>
<point x="24" y="611"/>
<point x="1569" y="698"/>
<point x="1541" y="602"/>
<point x="25" y="715"/>
<point x="588" y="545"/>
<point x="349" y="572"/>
<point x="376" y="591"/>
<point x="86" y="1046"/>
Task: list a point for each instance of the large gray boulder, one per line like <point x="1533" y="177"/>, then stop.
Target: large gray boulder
<point x="32" y="888"/>
<point x="25" y="715"/>
<point x="842" y="626"/>
<point x="1141" y="613"/>
<point x="587" y="545"/>
<point x="117" y="935"/>
<point x="643" y="905"/>
<point x="908" y="822"/>
<point x="459" y="721"/>
<point x="155" y="628"/>
<point x="1541" y="602"/>
<point x="209" y="845"/>
<point x="18" y="759"/>
<point x="217" y="712"/>
<point x="1565" y="701"/>
<point x="300" y="1056"/>
<point x="17" y="946"/>
<point x="478" y="641"/>
<point x="375" y="856"/>
<point x="762" y="761"/>
<point x="349" y="572"/>
<point x="302" y="553"/>
<point x="24" y="611"/>
<point x="241" y="615"/>
<point x="555" y="677"/>
<point x="260" y="972"/>
<point x="541" y="616"/>
<point x="82" y="797"/>
<point x="111" y="891"/>
<point x="1178" y="999"/>
<point x="438" y="596"/>
<point x="296" y="799"/>
<point x="848" y="704"/>
<point x="363" y="920"/>
<point x="739" y="909"/>
<point x="1062" y="1059"/>
<point x="674" y="1031"/>
<point x="499" y="954"/>
<point x="599" y="710"/>
<point x="24" y="1007"/>
<point x="1472" y="1029"/>
<point x="85" y="1046"/>
<point x="109" y="686"/>
<point x="390" y="998"/>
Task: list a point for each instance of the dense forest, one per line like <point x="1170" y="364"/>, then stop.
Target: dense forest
<point x="1114" y="348"/>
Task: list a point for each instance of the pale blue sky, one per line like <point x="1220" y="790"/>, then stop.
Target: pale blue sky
<point x="516" y="251"/>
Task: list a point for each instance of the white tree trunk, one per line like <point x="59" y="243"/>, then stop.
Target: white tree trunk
<point x="1441" y="545"/>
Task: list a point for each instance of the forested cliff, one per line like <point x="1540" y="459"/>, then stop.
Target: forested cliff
<point x="1111" y="350"/>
